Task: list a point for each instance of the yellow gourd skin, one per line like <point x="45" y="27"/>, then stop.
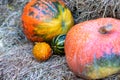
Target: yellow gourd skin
<point x="42" y="51"/>
<point x="42" y="20"/>
<point x="56" y="26"/>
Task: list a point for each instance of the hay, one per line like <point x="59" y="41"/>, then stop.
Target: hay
<point x="20" y="65"/>
<point x="91" y="9"/>
<point x="16" y="59"/>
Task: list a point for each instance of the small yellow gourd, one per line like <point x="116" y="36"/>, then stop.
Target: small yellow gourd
<point x="42" y="51"/>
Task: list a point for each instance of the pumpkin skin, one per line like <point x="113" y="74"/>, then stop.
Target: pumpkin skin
<point x="91" y="54"/>
<point x="57" y="44"/>
<point x="44" y="19"/>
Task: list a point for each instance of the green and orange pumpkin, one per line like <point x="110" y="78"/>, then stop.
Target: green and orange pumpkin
<point x="44" y="19"/>
<point x="92" y="48"/>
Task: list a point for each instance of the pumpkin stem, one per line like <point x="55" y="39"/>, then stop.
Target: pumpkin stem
<point x="105" y="29"/>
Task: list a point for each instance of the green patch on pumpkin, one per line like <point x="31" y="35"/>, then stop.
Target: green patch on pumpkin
<point x="107" y="65"/>
<point x="60" y="9"/>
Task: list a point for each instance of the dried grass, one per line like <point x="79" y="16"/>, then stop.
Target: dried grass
<point x="20" y="65"/>
<point x="91" y="9"/>
<point x="16" y="59"/>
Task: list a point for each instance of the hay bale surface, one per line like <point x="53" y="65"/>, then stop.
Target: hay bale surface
<point x="16" y="59"/>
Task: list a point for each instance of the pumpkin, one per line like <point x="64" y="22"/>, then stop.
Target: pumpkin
<point x="92" y="48"/>
<point x="44" y="19"/>
<point x="57" y="44"/>
<point x="42" y="51"/>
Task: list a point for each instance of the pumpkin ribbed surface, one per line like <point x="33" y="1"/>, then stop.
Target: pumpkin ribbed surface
<point x="57" y="44"/>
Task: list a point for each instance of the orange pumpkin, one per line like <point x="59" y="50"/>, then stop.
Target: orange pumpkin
<point x="42" y="51"/>
<point x="44" y="19"/>
<point x="92" y="48"/>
